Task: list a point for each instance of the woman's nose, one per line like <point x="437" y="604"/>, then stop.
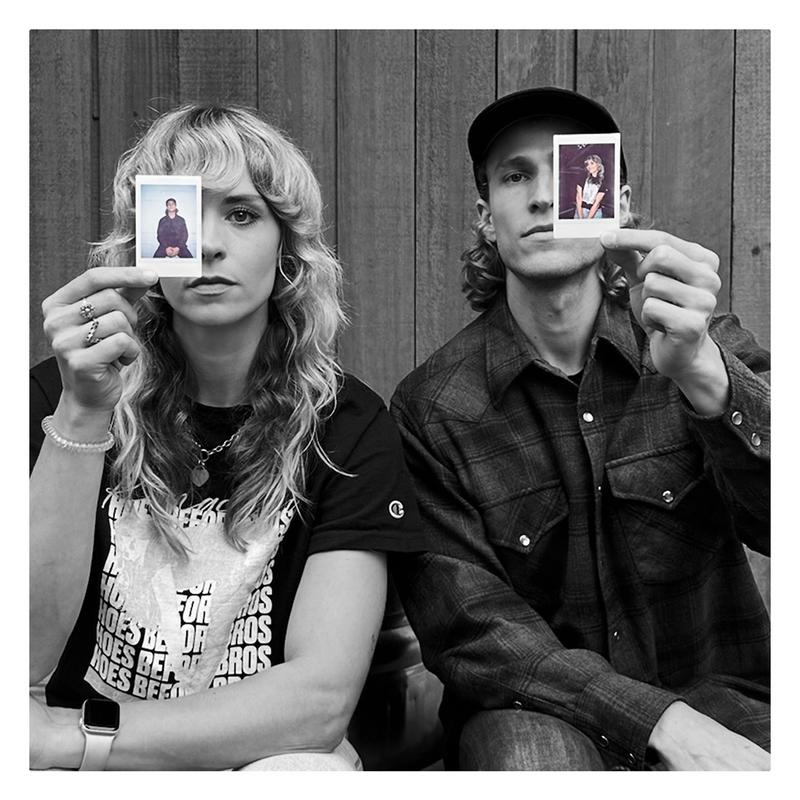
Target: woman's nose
<point x="213" y="246"/>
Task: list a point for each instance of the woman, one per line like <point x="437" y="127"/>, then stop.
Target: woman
<point x="234" y="559"/>
<point x="172" y="234"/>
<point x="589" y="196"/>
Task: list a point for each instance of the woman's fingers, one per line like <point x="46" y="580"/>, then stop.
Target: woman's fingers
<point x="85" y="362"/>
<point x="88" y="333"/>
<point x="132" y="282"/>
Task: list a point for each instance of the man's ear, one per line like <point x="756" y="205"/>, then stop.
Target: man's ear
<point x="486" y="225"/>
<point x="625" y="216"/>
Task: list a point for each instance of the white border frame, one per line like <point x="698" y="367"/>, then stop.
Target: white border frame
<point x="171" y="267"/>
<point x="583" y="228"/>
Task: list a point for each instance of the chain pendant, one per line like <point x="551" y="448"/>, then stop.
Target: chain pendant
<point x="199" y="475"/>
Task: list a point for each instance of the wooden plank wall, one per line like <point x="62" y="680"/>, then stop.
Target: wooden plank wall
<point x="383" y="117"/>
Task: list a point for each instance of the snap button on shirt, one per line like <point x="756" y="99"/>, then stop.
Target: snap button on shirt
<point x="524" y="540"/>
<point x="756" y="440"/>
<point x="588" y="416"/>
<point x="667" y="496"/>
<point x="736" y="418"/>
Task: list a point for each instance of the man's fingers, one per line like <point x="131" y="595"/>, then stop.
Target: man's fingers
<point x="666" y="260"/>
<point x="679" y="293"/>
<point x="683" y="323"/>
<point x="647" y="240"/>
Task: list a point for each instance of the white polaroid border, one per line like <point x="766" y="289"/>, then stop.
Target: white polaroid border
<point x="171" y="267"/>
<point x="583" y="228"/>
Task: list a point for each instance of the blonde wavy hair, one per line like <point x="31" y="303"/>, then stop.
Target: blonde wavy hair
<point x="484" y="273"/>
<point x="294" y="377"/>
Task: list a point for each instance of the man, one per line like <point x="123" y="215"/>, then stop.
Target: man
<point x="588" y="468"/>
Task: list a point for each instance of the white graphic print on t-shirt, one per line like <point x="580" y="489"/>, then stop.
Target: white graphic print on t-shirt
<point x="169" y="626"/>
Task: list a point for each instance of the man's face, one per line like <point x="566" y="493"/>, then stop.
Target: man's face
<point x="171" y="206"/>
<point x="519" y="212"/>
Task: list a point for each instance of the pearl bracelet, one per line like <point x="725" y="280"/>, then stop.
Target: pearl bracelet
<point x="76" y="447"/>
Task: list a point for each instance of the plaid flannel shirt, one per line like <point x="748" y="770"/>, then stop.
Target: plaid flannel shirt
<point x="584" y="542"/>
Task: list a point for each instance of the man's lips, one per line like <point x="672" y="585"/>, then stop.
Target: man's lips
<point x="538" y="229"/>
<point x="210" y="280"/>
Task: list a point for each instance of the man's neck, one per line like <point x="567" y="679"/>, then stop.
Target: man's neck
<point x="557" y="318"/>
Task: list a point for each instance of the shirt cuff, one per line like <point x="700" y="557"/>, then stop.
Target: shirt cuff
<point x="619" y="714"/>
<point x="745" y="423"/>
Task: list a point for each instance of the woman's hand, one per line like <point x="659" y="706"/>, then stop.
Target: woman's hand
<point x="55" y="737"/>
<point x="89" y="324"/>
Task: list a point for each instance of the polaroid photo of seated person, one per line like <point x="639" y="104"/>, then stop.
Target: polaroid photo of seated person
<point x="586" y="171"/>
<point x="168" y="224"/>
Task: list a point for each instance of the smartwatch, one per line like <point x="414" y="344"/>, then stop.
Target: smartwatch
<point x="99" y="723"/>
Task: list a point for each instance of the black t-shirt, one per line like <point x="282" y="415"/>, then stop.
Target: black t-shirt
<point x="155" y="626"/>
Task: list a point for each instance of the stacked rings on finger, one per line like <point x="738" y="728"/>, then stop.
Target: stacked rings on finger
<point x="90" y="337"/>
<point x="86" y="309"/>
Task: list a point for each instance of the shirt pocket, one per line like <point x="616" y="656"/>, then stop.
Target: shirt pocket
<point x="669" y="512"/>
<point x="529" y="535"/>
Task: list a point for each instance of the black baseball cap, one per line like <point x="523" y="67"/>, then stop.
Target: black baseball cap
<point x="545" y="101"/>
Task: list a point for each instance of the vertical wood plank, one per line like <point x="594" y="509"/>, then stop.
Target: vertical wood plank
<point x="529" y="58"/>
<point x="218" y="66"/>
<point x="62" y="178"/>
<point x="616" y="69"/>
<point x="376" y="202"/>
<point x="750" y="249"/>
<point x="137" y="80"/>
<point x="297" y="93"/>
<point x="455" y="80"/>
<point x="693" y="141"/>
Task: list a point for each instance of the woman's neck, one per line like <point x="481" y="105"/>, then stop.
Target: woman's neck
<point x="220" y="359"/>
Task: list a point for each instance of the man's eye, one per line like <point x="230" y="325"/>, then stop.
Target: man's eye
<point x="242" y="216"/>
<point x="515" y="177"/>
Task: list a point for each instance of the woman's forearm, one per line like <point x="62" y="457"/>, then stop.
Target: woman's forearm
<point x="63" y="496"/>
<point x="291" y="707"/>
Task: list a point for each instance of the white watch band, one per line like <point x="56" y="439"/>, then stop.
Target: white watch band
<point x="96" y="750"/>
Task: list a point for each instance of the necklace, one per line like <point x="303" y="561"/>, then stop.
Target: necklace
<point x="199" y="473"/>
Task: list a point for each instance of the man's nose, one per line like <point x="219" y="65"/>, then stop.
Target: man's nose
<point x="541" y="192"/>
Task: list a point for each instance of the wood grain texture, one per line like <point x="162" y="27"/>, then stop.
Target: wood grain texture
<point x="297" y="93"/>
<point x="62" y="177"/>
<point x="750" y="248"/>
<point x="616" y="69"/>
<point x="218" y="66"/>
<point x="137" y="79"/>
<point x="693" y="141"/>
<point x="376" y="202"/>
<point x="529" y="58"/>
<point x="455" y="80"/>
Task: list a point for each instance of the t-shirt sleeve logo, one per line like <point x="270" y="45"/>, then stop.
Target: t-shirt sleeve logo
<point x="396" y="509"/>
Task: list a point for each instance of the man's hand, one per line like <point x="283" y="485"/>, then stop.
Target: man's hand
<point x="673" y="288"/>
<point x="173" y="251"/>
<point x="685" y="739"/>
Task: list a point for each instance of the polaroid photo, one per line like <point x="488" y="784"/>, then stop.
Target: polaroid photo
<point x="586" y="184"/>
<point x="169" y="225"/>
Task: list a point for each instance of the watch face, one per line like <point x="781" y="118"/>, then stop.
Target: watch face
<point x="101" y="713"/>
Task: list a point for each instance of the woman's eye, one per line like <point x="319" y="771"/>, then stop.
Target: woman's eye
<point x="242" y="216"/>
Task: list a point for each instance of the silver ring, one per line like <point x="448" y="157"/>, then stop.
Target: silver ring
<point x="90" y="337"/>
<point x="86" y="309"/>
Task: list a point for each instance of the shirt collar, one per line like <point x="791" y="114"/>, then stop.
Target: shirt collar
<point x="508" y="350"/>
